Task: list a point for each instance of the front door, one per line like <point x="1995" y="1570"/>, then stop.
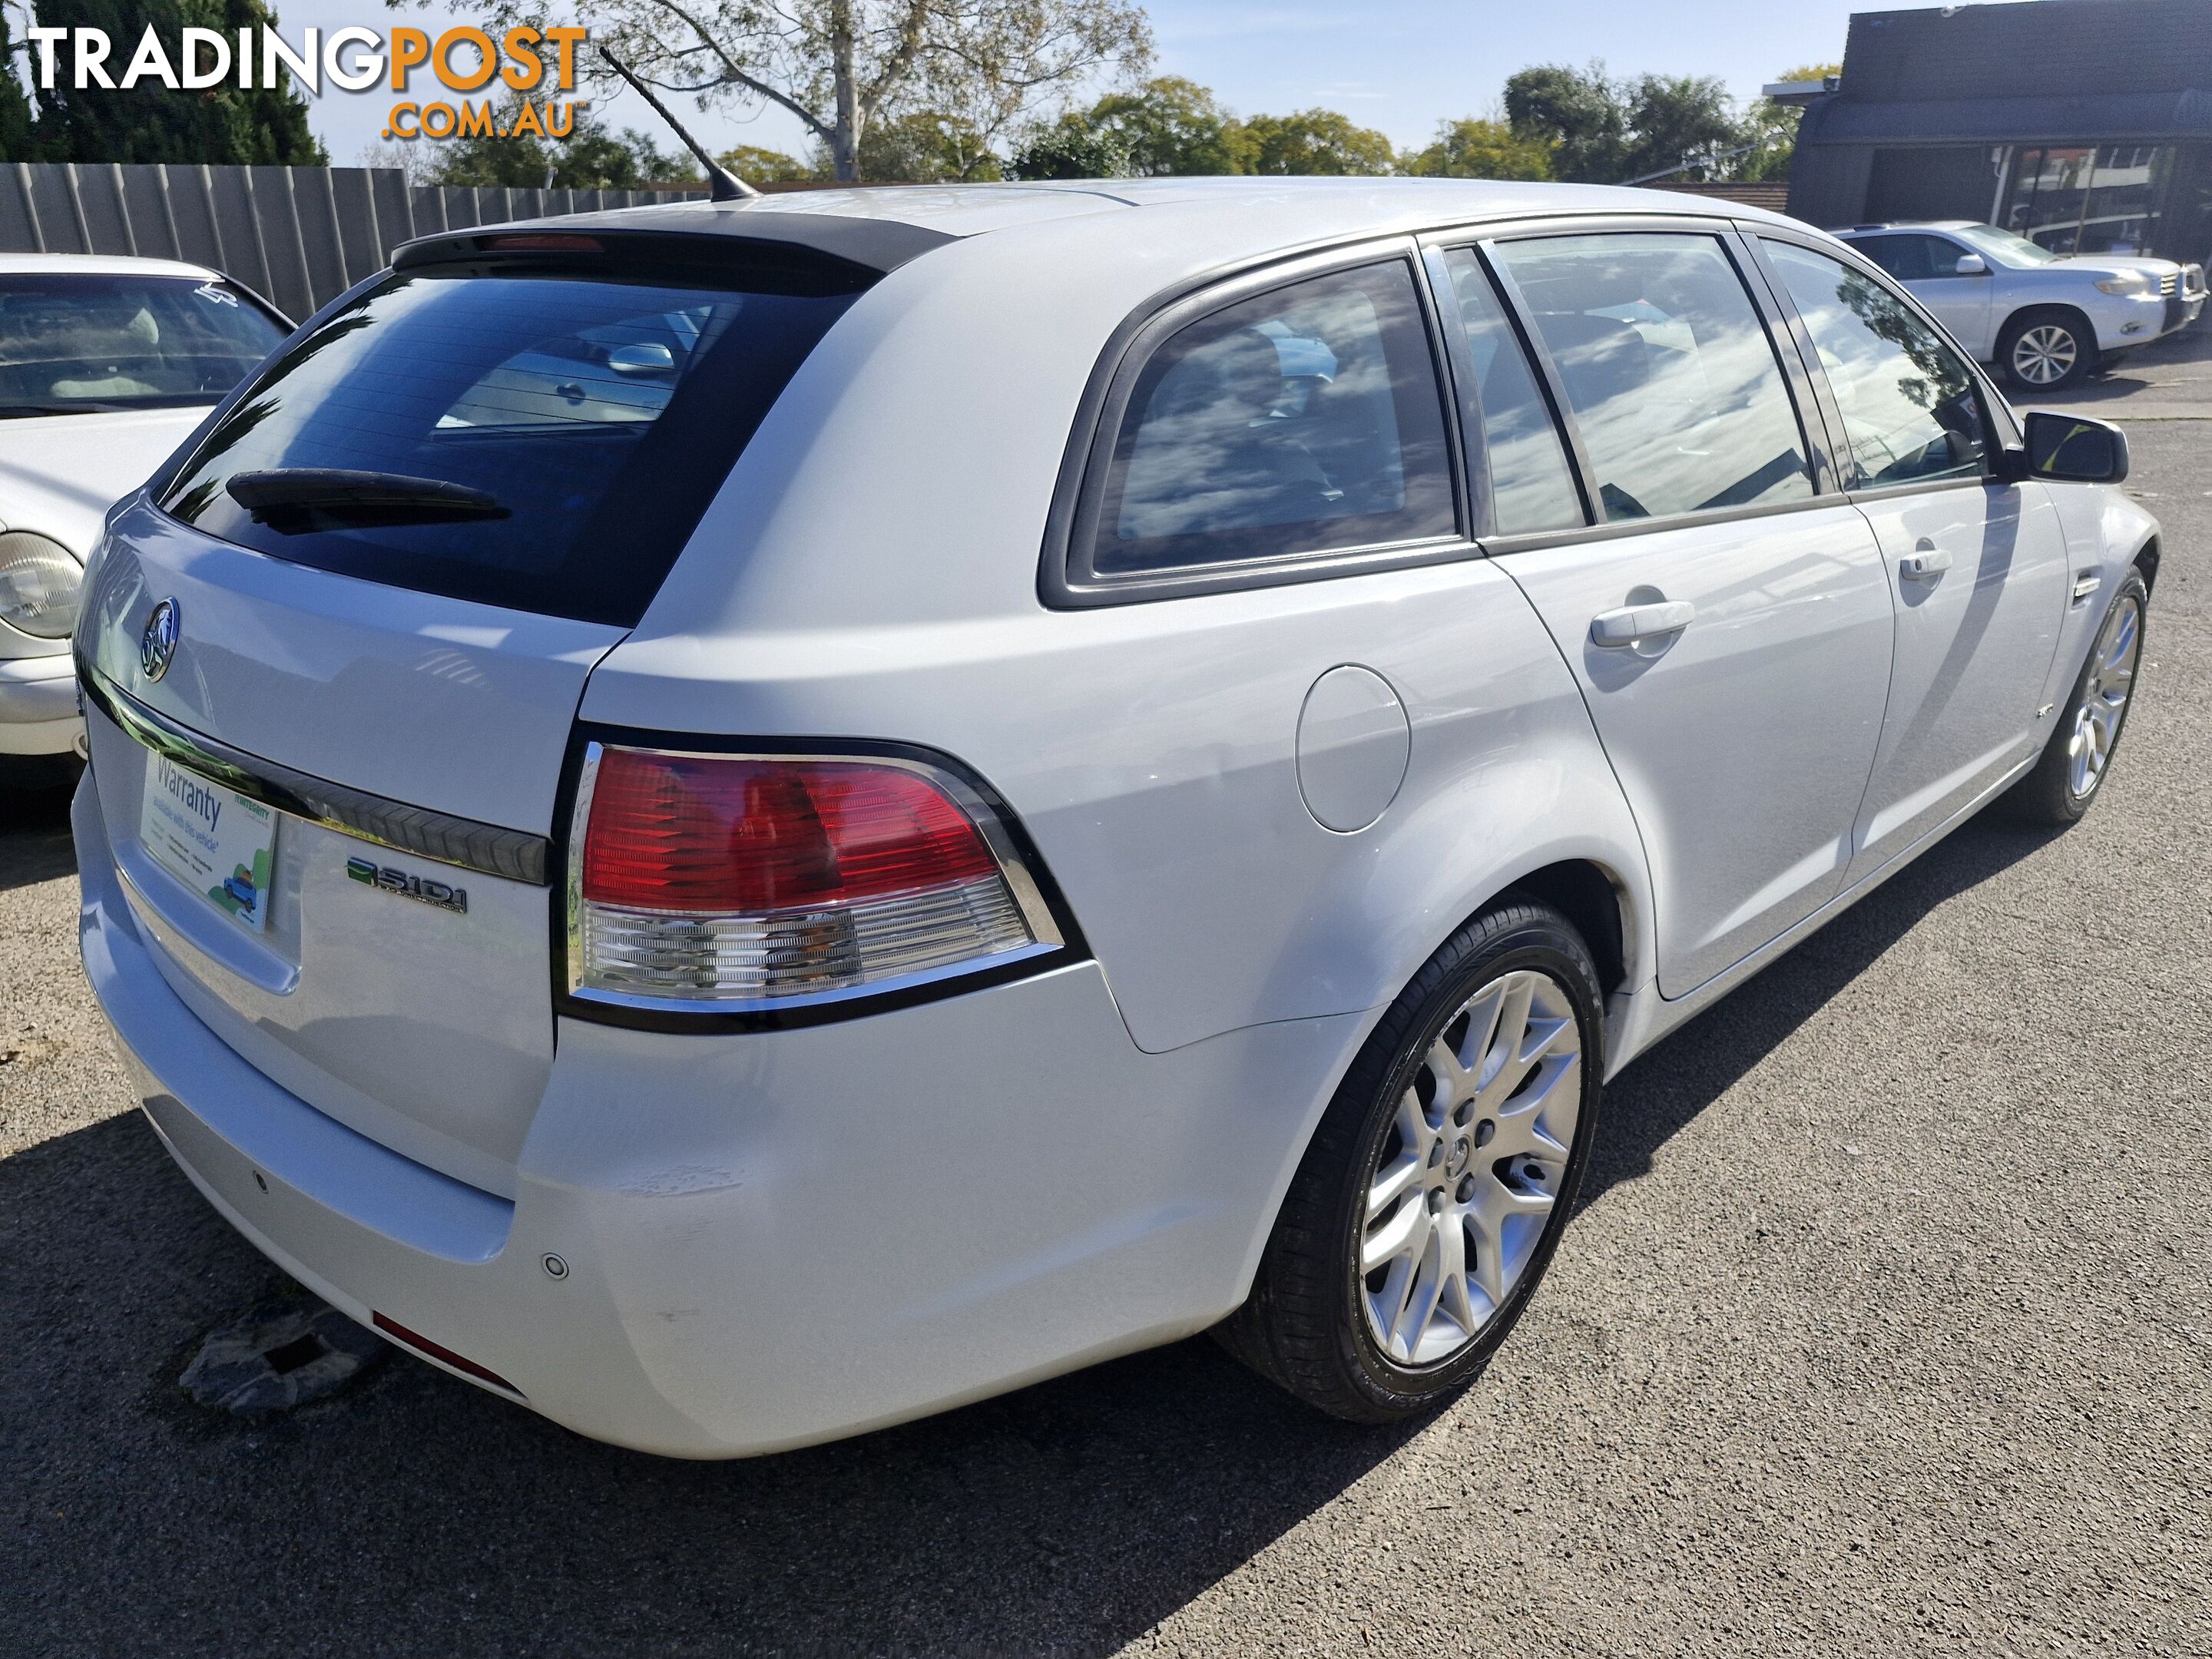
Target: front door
<point x="1735" y="667"/>
<point x="1979" y="566"/>
<point x="1927" y="265"/>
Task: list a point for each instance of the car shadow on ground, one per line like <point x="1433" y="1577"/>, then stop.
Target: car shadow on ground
<point x="1673" y="1081"/>
<point x="416" y="1513"/>
<point x="34" y="836"/>
<point x="2166" y="371"/>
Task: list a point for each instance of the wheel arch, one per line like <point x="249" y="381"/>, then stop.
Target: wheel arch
<point x="2145" y="560"/>
<point x="1593" y="898"/>
<point x="1592" y="888"/>
<point x="2022" y="318"/>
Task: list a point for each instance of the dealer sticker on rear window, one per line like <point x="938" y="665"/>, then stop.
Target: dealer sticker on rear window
<point x="214" y="840"/>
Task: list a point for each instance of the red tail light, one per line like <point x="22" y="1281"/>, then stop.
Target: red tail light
<point x="752" y="880"/>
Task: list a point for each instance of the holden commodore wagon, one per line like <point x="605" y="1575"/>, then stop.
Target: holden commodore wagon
<point x="740" y="821"/>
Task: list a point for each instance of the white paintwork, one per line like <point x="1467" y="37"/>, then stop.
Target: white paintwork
<point x="1260" y="847"/>
<point x="1974" y="646"/>
<point x="38" y="705"/>
<point x="1975" y="308"/>
<point x="1744" y="742"/>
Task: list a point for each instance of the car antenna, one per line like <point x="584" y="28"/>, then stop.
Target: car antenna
<point x="722" y="185"/>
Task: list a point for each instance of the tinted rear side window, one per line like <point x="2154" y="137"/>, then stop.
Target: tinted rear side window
<point x="593" y="419"/>
<point x="1304" y="420"/>
<point x="1673" y="383"/>
<point x="1519" y="468"/>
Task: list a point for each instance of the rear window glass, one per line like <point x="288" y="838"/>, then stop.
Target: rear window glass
<point x="77" y="343"/>
<point x="543" y="442"/>
<point x="1301" y="420"/>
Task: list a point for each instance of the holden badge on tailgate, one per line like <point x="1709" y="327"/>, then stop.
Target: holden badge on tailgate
<point x="159" y="642"/>
<point x="421" y="888"/>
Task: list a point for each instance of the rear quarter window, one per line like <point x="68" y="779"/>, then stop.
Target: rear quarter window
<point x="1305" y="420"/>
<point x="554" y="436"/>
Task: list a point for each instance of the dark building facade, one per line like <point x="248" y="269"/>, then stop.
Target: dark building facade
<point x="2085" y="125"/>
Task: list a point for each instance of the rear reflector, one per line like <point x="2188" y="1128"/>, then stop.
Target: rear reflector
<point x="393" y="1328"/>
<point x="753" y="881"/>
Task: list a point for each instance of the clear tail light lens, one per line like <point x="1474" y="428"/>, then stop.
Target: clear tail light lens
<point x="746" y="881"/>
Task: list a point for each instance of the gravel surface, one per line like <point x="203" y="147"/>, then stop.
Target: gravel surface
<point x="1885" y="1327"/>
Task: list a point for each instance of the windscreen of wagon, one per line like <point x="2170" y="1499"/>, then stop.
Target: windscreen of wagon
<point x="543" y="441"/>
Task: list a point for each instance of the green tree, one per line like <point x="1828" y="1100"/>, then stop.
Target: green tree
<point x="266" y="126"/>
<point x="1676" y="119"/>
<point x="592" y="157"/>
<point x="1578" y="113"/>
<point x="1479" y="149"/>
<point x="1603" y="131"/>
<point x="923" y="147"/>
<point x="1071" y="147"/>
<point x="839" y="66"/>
<point x="757" y="166"/>
<point x="18" y="142"/>
<point x="1171" y="127"/>
<point x="1773" y="127"/>
<point x="1318" y="141"/>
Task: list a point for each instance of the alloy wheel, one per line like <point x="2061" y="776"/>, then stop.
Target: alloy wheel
<point x="2044" y="355"/>
<point x="2104" y="692"/>
<point x="1466" y="1181"/>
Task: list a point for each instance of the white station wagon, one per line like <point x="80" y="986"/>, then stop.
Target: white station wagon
<point x="741" y="822"/>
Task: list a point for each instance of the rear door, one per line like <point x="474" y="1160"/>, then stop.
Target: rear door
<point x="1978" y="563"/>
<point x="1729" y="624"/>
<point x="335" y="660"/>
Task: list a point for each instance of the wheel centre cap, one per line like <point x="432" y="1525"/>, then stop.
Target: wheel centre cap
<point x="1456" y="1165"/>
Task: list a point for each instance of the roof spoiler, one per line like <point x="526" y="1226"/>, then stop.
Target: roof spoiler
<point x="697" y="234"/>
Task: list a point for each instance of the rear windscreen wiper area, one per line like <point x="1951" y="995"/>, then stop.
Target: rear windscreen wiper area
<point x="302" y="496"/>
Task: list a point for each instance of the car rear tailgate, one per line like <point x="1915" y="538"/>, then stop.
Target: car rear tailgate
<point x="443" y="726"/>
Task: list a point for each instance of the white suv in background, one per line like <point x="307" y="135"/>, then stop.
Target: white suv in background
<point x="2045" y="321"/>
<point x="105" y="365"/>
<point x="740" y="822"/>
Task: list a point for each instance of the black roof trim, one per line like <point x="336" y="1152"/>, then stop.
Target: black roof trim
<point x="881" y="245"/>
<point x="2090" y="118"/>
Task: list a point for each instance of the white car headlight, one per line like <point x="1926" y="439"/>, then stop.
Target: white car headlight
<point x="2131" y="282"/>
<point x="39" y="581"/>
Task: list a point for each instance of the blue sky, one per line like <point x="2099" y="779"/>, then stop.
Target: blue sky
<point x="1400" y="65"/>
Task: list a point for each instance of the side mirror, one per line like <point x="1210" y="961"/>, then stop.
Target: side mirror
<point x="2074" y="449"/>
<point x="641" y="360"/>
<point x="1973" y="265"/>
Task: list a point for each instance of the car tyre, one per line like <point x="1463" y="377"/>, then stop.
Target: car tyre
<point x="1492" y="1165"/>
<point x="2047" y="350"/>
<point x="2077" y="756"/>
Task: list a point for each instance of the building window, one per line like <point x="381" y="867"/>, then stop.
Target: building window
<point x="2085" y="199"/>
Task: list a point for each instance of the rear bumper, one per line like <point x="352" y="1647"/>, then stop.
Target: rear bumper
<point x="775" y="1238"/>
<point x="38" y="706"/>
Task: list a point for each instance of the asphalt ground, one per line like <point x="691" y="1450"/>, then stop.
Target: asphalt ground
<point x="1885" y="1327"/>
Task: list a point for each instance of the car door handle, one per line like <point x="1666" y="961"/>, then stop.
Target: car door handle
<point x="1632" y="624"/>
<point x="1924" y="563"/>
